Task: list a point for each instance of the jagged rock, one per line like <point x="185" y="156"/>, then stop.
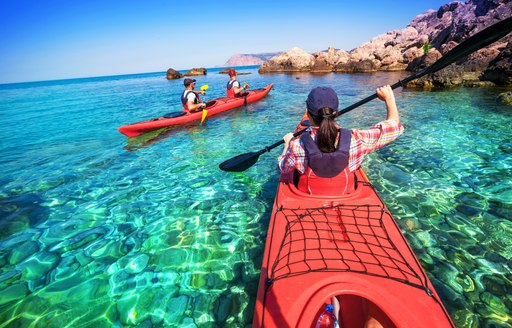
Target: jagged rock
<point x="173" y="74"/>
<point x="412" y="53"/>
<point x="196" y="72"/>
<point x="321" y="65"/>
<point x="324" y="61"/>
<point x="295" y="60"/>
<point x="448" y="47"/>
<point x="426" y="60"/>
<point x="499" y="70"/>
<point x="506" y="98"/>
<point x="363" y="66"/>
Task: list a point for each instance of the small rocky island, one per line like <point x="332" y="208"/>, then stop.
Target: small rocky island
<point x="428" y="37"/>
<point x="173" y="74"/>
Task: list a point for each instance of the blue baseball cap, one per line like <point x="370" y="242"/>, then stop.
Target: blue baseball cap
<point x="321" y="97"/>
<point x="188" y="81"/>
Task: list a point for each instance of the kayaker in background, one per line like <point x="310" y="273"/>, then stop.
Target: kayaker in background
<point x="327" y="156"/>
<point x="190" y="98"/>
<point x="233" y="88"/>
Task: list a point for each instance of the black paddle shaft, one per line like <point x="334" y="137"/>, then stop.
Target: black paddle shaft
<point x="479" y="40"/>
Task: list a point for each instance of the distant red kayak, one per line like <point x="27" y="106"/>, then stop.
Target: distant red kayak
<point x="348" y="247"/>
<point x="214" y="107"/>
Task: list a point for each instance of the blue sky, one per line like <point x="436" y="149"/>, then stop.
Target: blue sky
<point x="57" y="39"/>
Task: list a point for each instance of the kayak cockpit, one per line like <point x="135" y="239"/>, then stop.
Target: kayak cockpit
<point x="357" y="311"/>
<point x="211" y="103"/>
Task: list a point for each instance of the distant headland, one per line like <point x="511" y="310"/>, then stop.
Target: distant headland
<point x="250" y="59"/>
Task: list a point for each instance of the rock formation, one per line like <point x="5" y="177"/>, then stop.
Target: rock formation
<point x="428" y="37"/>
<point x="295" y="60"/>
<point x="173" y="74"/>
<point x="196" y="72"/>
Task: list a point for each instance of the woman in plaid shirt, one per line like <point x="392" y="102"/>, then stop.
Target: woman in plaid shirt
<point x="326" y="156"/>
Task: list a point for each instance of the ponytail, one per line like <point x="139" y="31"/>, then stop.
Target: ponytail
<point x="327" y="132"/>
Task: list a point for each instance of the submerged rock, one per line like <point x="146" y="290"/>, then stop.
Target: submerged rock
<point x="506" y="98"/>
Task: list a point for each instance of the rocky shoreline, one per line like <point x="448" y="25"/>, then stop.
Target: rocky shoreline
<point x="428" y="37"/>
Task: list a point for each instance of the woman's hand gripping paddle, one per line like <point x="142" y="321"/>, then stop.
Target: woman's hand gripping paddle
<point x="481" y="39"/>
<point x="205" y="111"/>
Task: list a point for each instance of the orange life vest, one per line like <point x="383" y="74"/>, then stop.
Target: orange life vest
<point x="184" y="99"/>
<point x="230" y="91"/>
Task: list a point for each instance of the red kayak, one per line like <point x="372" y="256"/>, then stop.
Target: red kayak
<point x="214" y="107"/>
<point x="348" y="247"/>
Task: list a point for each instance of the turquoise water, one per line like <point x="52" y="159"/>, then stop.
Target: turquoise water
<point x="97" y="230"/>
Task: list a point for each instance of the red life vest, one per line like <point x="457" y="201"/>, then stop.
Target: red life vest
<point x="327" y="173"/>
<point x="230" y="91"/>
<point x="184" y="99"/>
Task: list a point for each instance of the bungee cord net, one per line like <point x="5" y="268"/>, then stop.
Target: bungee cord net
<point x="341" y="238"/>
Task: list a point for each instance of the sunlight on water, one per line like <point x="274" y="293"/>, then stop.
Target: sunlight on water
<point x="97" y="230"/>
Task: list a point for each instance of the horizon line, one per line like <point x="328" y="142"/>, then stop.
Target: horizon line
<point x="115" y="75"/>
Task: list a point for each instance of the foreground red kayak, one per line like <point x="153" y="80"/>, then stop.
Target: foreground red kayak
<point x="214" y="107"/>
<point x="348" y="247"/>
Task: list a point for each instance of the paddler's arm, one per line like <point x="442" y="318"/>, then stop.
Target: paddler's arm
<point x="386" y="94"/>
<point x="378" y="135"/>
<point x="240" y="89"/>
<point x="195" y="107"/>
<point x="199" y="92"/>
<point x="291" y="159"/>
<point x="287" y="138"/>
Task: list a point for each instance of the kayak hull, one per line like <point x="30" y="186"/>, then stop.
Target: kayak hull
<point x="214" y="107"/>
<point x="346" y="246"/>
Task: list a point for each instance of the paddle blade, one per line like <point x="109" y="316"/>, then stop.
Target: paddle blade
<point x="203" y="117"/>
<point x="204" y="87"/>
<point x="239" y="163"/>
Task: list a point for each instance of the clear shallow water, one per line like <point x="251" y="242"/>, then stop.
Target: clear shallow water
<point x="97" y="230"/>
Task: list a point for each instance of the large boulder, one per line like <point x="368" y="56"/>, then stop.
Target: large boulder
<point x="326" y="60"/>
<point x="295" y="60"/>
<point x="196" y="72"/>
<point x="173" y="74"/>
<point x="363" y="66"/>
<point x="499" y="70"/>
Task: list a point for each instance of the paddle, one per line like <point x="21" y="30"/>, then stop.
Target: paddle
<point x="205" y="111"/>
<point x="479" y="40"/>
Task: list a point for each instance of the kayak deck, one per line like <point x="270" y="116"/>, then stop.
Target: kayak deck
<point x="347" y="246"/>
<point x="214" y="107"/>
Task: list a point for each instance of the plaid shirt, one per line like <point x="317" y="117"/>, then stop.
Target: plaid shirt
<point x="362" y="143"/>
